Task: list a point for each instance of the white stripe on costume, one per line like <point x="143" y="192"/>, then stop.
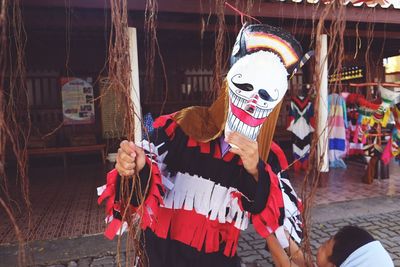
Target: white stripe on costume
<point x="101" y="189"/>
<point x="192" y="192"/>
<point x="291" y="223"/>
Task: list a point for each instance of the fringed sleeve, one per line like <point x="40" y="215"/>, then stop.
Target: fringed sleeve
<point x="282" y="208"/>
<point x="147" y="210"/>
<point x="271" y="217"/>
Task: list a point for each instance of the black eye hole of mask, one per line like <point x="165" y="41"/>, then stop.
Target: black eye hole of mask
<point x="242" y="86"/>
<point x="265" y="96"/>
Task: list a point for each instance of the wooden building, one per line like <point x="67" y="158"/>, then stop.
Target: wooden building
<point x="72" y="41"/>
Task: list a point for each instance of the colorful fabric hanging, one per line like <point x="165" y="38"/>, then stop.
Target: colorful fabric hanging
<point x="148" y="125"/>
<point x="337" y="124"/>
<point x="392" y="148"/>
<point x="301" y="121"/>
<point x="360" y="116"/>
<point x="382" y="115"/>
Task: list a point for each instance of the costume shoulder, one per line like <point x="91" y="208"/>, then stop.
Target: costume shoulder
<point x="167" y="123"/>
<point x="277" y="158"/>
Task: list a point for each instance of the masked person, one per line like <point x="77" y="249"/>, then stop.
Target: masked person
<point x="206" y="167"/>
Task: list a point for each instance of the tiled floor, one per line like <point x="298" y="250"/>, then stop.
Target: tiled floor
<point x="345" y="184"/>
<point x="64" y="204"/>
<point x="64" y="201"/>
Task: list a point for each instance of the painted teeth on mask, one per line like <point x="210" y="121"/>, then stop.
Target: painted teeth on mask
<point x="230" y="120"/>
<point x="241" y="102"/>
<point x="235" y="122"/>
<point x="248" y="131"/>
<point x="244" y="129"/>
<point x="252" y="133"/>
<point x="235" y="100"/>
<point x="265" y="113"/>
<point x="260" y="113"/>
<point x="240" y="126"/>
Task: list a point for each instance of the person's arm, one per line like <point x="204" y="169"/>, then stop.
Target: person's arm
<point x="257" y="184"/>
<point x="295" y="253"/>
<point x="140" y="164"/>
<point x="130" y="159"/>
<point x="247" y="150"/>
<point x="279" y="255"/>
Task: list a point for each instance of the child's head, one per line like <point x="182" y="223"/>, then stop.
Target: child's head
<point x="338" y="248"/>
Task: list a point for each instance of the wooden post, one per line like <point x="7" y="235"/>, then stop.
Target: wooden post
<point x="135" y="90"/>
<point x="322" y="64"/>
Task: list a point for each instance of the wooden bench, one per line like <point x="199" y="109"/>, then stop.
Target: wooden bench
<point x="63" y="151"/>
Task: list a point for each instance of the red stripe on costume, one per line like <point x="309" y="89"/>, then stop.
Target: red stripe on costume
<point x="204" y="147"/>
<point x="280" y="154"/>
<point x="191" y="142"/>
<point x="267" y="221"/>
<point x="228" y="156"/>
<point x="196" y="230"/>
<point x="162" y="121"/>
<point x="217" y="152"/>
<point x="170" y="130"/>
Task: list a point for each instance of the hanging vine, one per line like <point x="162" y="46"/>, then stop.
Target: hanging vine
<point x="14" y="114"/>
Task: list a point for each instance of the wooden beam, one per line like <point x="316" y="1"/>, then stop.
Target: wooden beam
<point x="162" y="25"/>
<point x="288" y="10"/>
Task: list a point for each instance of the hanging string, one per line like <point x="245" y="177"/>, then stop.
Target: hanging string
<point x="242" y="14"/>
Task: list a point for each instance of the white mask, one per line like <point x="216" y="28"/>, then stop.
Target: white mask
<point x="258" y="79"/>
<point x="257" y="83"/>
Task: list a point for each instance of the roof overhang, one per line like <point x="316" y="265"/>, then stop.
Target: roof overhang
<point x="375" y="11"/>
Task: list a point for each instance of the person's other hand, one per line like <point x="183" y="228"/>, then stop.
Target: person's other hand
<point x="130" y="159"/>
<point x="247" y="150"/>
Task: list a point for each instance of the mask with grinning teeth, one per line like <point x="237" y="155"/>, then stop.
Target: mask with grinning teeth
<point x="262" y="58"/>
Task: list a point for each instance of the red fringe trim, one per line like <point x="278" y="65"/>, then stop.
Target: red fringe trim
<point x="109" y="192"/>
<point x="161" y="122"/>
<point x="267" y="221"/>
<point x="196" y="230"/>
<point x="148" y="210"/>
<point x="113" y="228"/>
<point x="154" y="198"/>
<point x="205" y="148"/>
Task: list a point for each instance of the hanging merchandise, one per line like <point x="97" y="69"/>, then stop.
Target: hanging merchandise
<point x="359" y="114"/>
<point x="396" y="114"/>
<point x="392" y="148"/>
<point x="148" y="128"/>
<point x="301" y="121"/>
<point x="382" y="115"/>
<point x="337" y="124"/>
